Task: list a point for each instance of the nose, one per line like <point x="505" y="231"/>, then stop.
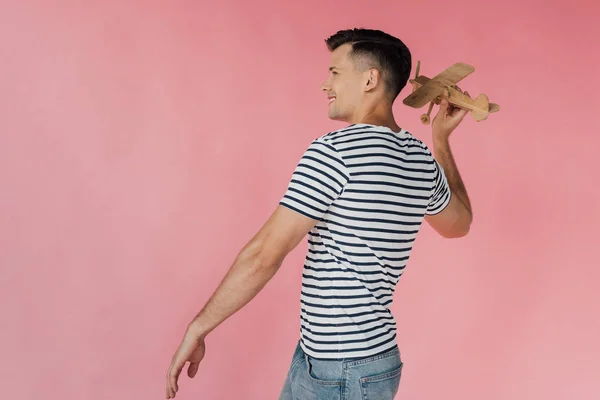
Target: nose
<point x="325" y="86"/>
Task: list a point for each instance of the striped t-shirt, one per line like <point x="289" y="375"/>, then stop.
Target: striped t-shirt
<point x="369" y="188"/>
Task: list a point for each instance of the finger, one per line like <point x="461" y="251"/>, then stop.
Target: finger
<point x="451" y="109"/>
<point x="174" y="375"/>
<point x="443" y="107"/>
<point x="460" y="114"/>
<point x="168" y="385"/>
<point x="170" y="392"/>
<point x="173" y="383"/>
<point x="467" y="94"/>
<point x="193" y="369"/>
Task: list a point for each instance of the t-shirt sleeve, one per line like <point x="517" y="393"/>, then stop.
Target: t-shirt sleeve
<point x="319" y="178"/>
<point x="441" y="193"/>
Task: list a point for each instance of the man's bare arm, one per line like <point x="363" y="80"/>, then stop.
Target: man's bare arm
<point x="443" y="154"/>
<point x="455" y="220"/>
<point x="256" y="264"/>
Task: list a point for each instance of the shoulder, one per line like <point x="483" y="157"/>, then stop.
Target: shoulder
<point x="323" y="151"/>
<point x="329" y="139"/>
<point x="332" y="136"/>
<point x="413" y="140"/>
<point x="416" y="143"/>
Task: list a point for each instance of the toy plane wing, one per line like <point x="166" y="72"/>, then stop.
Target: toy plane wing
<point x="423" y="95"/>
<point x="454" y="73"/>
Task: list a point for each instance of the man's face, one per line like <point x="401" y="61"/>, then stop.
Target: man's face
<point x="344" y="85"/>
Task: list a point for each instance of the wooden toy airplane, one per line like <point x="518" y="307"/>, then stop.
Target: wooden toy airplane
<point x="443" y="86"/>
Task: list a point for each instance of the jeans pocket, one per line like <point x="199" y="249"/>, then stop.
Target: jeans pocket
<point x="313" y="387"/>
<point x="318" y="381"/>
<point x="382" y="386"/>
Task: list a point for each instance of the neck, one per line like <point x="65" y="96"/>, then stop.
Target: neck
<point x="381" y="116"/>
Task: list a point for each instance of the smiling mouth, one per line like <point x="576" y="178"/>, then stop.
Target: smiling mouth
<point x="331" y="100"/>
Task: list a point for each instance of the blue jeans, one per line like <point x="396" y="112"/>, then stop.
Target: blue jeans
<point x="369" y="378"/>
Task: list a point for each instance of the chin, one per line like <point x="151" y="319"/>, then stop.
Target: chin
<point x="337" y="117"/>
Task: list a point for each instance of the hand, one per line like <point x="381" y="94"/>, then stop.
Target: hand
<point x="192" y="349"/>
<point x="447" y="119"/>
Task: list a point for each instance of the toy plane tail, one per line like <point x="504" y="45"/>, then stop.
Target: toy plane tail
<point x="481" y="110"/>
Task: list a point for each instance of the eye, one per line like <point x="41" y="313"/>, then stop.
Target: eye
<point x="334" y="73"/>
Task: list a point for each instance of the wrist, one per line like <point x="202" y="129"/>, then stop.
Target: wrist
<point x="198" y="329"/>
<point x="440" y="138"/>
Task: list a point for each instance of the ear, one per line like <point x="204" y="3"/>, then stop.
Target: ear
<point x="372" y="79"/>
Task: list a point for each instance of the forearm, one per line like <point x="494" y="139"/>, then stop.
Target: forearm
<point x="443" y="155"/>
<point x="244" y="280"/>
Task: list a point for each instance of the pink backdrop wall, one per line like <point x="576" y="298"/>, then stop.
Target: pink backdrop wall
<point x="143" y="144"/>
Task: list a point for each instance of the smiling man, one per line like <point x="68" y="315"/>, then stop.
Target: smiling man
<point x="361" y="193"/>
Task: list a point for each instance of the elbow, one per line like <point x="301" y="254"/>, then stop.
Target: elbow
<point x="459" y="230"/>
<point x="460" y="233"/>
<point x="259" y="259"/>
<point x="267" y="263"/>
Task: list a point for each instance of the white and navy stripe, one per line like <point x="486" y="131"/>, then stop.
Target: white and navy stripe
<point x="369" y="188"/>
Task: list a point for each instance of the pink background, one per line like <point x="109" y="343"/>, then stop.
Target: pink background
<point x="143" y="144"/>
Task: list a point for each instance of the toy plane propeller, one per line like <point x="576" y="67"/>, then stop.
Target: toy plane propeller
<point x="443" y="86"/>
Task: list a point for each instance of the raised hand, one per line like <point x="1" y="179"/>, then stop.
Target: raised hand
<point x="447" y="119"/>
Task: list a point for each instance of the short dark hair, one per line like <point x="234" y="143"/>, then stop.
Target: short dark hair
<point x="385" y="52"/>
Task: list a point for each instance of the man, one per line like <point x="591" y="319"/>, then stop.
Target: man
<point x="361" y="193"/>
